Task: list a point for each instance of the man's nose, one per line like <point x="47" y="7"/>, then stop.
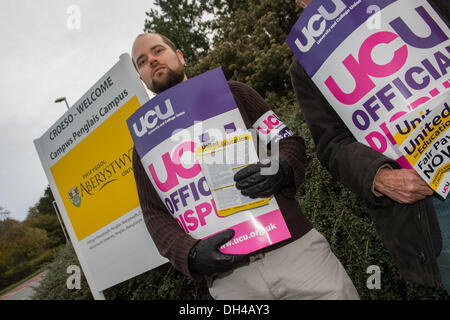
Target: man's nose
<point x="153" y="61"/>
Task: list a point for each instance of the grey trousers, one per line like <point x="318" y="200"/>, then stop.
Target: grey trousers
<point x="305" y="269"/>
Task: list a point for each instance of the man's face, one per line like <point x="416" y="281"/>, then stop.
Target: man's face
<point x="158" y="65"/>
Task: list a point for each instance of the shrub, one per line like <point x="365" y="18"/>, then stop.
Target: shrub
<point x="163" y="282"/>
<point x="53" y="285"/>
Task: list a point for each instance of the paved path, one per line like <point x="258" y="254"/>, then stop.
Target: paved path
<point x="25" y="290"/>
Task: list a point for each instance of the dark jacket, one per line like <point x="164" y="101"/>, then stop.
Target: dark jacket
<point x="410" y="232"/>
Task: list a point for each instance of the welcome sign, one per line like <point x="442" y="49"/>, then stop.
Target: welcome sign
<point x="86" y="156"/>
<point x="373" y="68"/>
<point x="168" y="130"/>
<point x="97" y="171"/>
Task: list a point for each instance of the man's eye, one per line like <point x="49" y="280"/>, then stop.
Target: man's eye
<point x="140" y="63"/>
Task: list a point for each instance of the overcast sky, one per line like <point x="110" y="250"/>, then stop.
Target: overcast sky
<point x="45" y="56"/>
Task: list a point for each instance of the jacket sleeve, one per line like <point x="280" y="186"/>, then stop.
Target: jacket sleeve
<point x="291" y="148"/>
<point x="349" y="161"/>
<point x="171" y="241"/>
<point x="442" y="7"/>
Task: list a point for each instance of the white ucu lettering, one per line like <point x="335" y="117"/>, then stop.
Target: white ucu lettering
<point x="310" y="32"/>
<point x="150" y="119"/>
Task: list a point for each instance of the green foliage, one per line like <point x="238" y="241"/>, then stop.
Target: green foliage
<point x="45" y="203"/>
<point x="50" y="224"/>
<point x="21" y="247"/>
<point x="43" y="216"/>
<point x="251" y="47"/>
<point x="53" y="285"/>
<point x="4" y="213"/>
<point x="187" y="30"/>
<point x="25" y="246"/>
<point x="161" y="283"/>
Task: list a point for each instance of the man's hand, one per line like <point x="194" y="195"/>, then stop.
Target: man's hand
<point x="402" y="185"/>
<point x="206" y="259"/>
<point x="255" y="185"/>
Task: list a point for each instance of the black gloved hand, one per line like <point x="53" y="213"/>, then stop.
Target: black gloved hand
<point x="254" y="185"/>
<point x="206" y="259"/>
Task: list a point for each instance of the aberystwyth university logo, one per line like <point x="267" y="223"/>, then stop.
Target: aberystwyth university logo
<point x="74" y="196"/>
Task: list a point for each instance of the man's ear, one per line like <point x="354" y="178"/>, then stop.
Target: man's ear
<point x="180" y="56"/>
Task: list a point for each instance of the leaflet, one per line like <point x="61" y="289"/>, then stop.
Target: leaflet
<point x="236" y="152"/>
<point x="423" y="136"/>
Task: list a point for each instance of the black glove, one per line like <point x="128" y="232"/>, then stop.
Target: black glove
<point x="254" y="185"/>
<point x="206" y="259"/>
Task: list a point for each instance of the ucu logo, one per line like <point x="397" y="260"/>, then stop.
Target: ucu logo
<point x="150" y="119"/>
<point x="363" y="68"/>
<point x="174" y="167"/>
<point x="271" y="122"/>
<point x="317" y="25"/>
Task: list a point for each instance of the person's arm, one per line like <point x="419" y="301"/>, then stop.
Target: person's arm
<point x="401" y="185"/>
<point x="170" y="240"/>
<point x="442" y="7"/>
<point x="292" y="149"/>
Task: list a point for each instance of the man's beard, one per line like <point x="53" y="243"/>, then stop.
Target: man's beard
<point x="173" y="78"/>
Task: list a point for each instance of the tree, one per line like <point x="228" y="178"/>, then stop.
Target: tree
<point x="185" y="22"/>
<point x="4" y="213"/>
<point x="43" y="216"/>
<point x="45" y="203"/>
<point x="20" y="244"/>
<point x="251" y="48"/>
<point x="47" y="222"/>
<point x="25" y="246"/>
